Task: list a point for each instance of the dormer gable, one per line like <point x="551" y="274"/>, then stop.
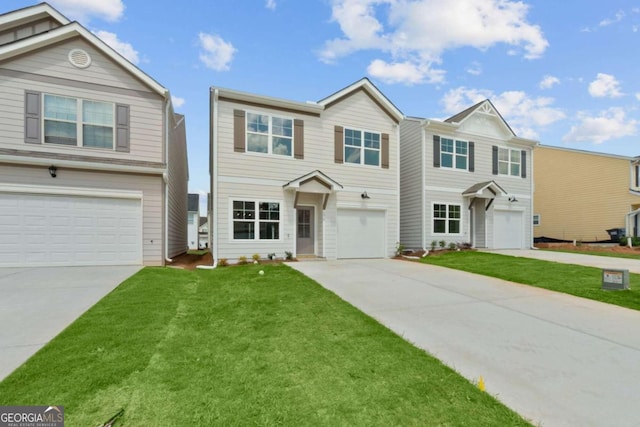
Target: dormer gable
<point x="29" y="21"/>
<point x="482" y="119"/>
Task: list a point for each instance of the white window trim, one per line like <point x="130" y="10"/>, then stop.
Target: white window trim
<point x="534" y="220"/>
<point x="79" y="122"/>
<point x="509" y="162"/>
<point x="454" y="154"/>
<point x="256" y="220"/>
<point x="270" y="134"/>
<point x="433" y="232"/>
<point x="362" y="147"/>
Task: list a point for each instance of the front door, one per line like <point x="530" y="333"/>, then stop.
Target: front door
<point x="305" y="243"/>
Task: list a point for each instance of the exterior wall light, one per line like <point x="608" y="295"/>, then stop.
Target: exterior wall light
<point x="53" y="171"/>
<point x="365" y="195"/>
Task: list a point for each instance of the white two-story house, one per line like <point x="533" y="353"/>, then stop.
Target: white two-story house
<point x="467" y="179"/>
<point x="93" y="167"/>
<point x="317" y="179"/>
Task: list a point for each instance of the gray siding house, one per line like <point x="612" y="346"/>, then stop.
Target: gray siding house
<point x="93" y="166"/>
<point x="317" y="179"/>
<point x="467" y="179"/>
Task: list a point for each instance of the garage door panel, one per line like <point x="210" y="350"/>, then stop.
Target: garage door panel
<point x="508" y="230"/>
<point x="361" y="233"/>
<point x="69" y="230"/>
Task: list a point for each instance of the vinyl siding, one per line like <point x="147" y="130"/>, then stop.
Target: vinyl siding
<point x="178" y="174"/>
<point x="579" y="195"/>
<point x="358" y="112"/>
<point x="411" y="184"/>
<point x="146" y="108"/>
<point x="151" y="187"/>
<point x="27" y="30"/>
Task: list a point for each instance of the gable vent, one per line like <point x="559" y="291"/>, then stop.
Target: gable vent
<point x="79" y="58"/>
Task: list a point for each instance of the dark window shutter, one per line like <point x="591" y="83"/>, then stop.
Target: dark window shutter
<point x="472" y="156"/>
<point x="122" y="128"/>
<point x="523" y="164"/>
<point x="239" y="131"/>
<point x="384" y="148"/>
<point x="494" y="163"/>
<point x="436" y="151"/>
<point x="637" y="178"/>
<point x="32" y="117"/>
<point x="298" y="139"/>
<point x="338" y="137"/>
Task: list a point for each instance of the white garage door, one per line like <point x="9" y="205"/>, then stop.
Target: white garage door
<point x="361" y="233"/>
<point x="48" y="230"/>
<point x="508" y="230"/>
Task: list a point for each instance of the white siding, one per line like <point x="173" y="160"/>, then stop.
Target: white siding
<point x="178" y="189"/>
<point x="151" y="187"/>
<point x="411" y="184"/>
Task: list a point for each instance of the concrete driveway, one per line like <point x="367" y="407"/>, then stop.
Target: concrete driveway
<point x="36" y="304"/>
<point x="557" y="360"/>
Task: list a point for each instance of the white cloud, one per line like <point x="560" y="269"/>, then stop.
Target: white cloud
<point x="404" y="72"/>
<point x="177" y="101"/>
<point x="216" y="53"/>
<point x="84" y="10"/>
<point x="609" y="124"/>
<point x="271" y="4"/>
<point x="605" y="85"/>
<point x="123" y="48"/>
<point x="619" y="16"/>
<point x="523" y="113"/>
<point x="638" y="96"/>
<point x="418" y="32"/>
<point x="548" y="82"/>
<point x="475" y="69"/>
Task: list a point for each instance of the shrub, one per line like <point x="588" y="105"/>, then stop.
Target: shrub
<point x="271" y="256"/>
<point x="255" y="257"/>
<point x="453" y="246"/>
<point x="223" y="262"/>
<point x="434" y="243"/>
<point x="399" y="248"/>
<point x="242" y="260"/>
<point x="465" y="245"/>
<point x="288" y="255"/>
<point x="442" y="243"/>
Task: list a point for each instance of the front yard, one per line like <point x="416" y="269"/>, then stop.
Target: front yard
<point x="233" y="347"/>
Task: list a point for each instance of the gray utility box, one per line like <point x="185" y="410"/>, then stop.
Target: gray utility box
<point x="615" y="280"/>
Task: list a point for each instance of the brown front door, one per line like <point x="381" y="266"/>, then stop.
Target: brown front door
<point x="305" y="242"/>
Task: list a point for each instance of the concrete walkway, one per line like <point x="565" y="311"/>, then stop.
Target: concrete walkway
<point x="557" y="360"/>
<point x="633" y="265"/>
<point x="36" y="304"/>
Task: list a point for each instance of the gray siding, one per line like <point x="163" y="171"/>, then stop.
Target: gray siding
<point x="411" y="184"/>
<point x="151" y="187"/>
<point x="27" y="30"/>
<point x="177" y="174"/>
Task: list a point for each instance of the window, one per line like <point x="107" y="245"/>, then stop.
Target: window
<point x="249" y="226"/>
<point x="361" y="147"/>
<point x="509" y="161"/>
<point x="269" y="135"/>
<point x="454" y="154"/>
<point x="536" y="219"/>
<point x="446" y="218"/>
<point x="78" y="122"/>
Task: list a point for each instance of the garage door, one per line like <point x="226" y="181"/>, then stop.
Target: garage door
<point x="508" y="230"/>
<point x="361" y="233"/>
<point x="48" y="230"/>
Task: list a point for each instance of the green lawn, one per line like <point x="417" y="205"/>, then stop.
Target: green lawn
<point x="576" y="280"/>
<point x="232" y="347"/>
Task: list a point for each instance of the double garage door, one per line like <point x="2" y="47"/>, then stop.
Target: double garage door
<point x="361" y="233"/>
<point x="66" y="230"/>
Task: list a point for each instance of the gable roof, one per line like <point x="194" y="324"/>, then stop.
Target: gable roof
<point x="193" y="203"/>
<point x="485" y="107"/>
<point x="370" y="90"/>
<point x="478" y="190"/>
<point x="66" y="31"/>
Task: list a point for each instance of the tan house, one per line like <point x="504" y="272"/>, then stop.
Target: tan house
<point x="317" y="179"/>
<point x="579" y="195"/>
<point x="93" y="167"/>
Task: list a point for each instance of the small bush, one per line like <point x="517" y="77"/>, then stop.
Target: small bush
<point x="271" y="256"/>
<point x="442" y="243"/>
<point x="465" y="245"/>
<point x="288" y="255"/>
<point x="255" y="257"/>
<point x="223" y="262"/>
<point x="242" y="260"/>
<point x="399" y="248"/>
<point x="434" y="244"/>
<point x="453" y="246"/>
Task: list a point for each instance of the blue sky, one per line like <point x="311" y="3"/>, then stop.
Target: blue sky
<point x="561" y="72"/>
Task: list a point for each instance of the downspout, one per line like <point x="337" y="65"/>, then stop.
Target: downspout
<point x="531" y="205"/>
<point x="423" y="184"/>
<point x="165" y="177"/>
<point x="213" y="146"/>
<point x="398" y="182"/>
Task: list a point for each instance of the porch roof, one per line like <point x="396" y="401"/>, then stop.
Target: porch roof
<point x="484" y="190"/>
<point x="313" y="182"/>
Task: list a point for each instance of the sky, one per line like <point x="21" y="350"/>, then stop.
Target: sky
<point x="564" y="73"/>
